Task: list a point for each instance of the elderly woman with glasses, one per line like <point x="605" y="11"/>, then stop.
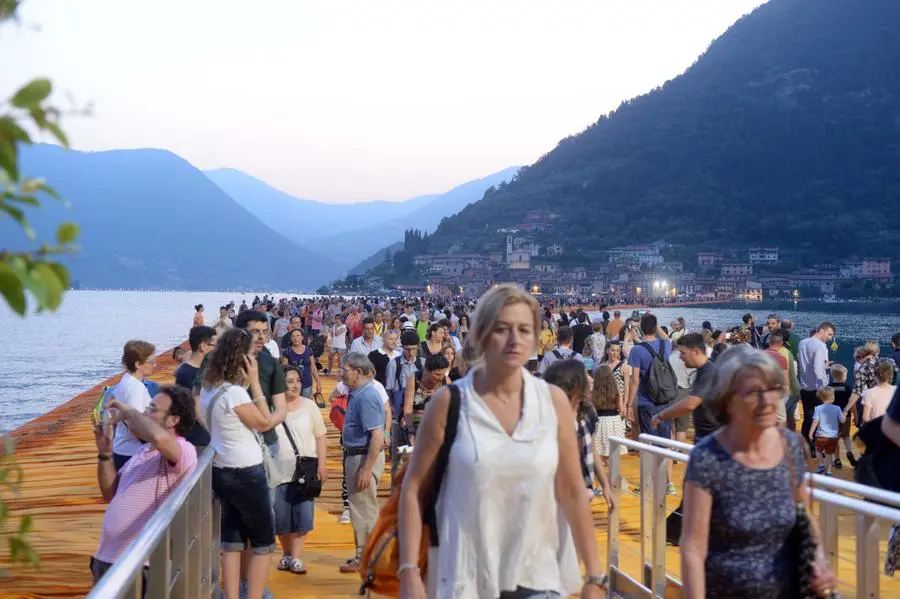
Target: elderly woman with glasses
<point x="740" y="489"/>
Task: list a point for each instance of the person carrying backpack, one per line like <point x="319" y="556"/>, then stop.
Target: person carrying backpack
<point x="653" y="382"/>
<point x="399" y="371"/>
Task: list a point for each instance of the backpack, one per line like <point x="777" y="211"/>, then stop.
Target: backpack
<point x="419" y="362"/>
<point x="338" y="411"/>
<point x="659" y="384"/>
<point x="381" y="556"/>
<point x="317" y="346"/>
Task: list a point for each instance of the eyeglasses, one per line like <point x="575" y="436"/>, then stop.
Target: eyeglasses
<point x="760" y="395"/>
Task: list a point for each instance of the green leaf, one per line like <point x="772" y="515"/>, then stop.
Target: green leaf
<point x="10" y="129"/>
<point x="35" y="283"/>
<point x="12" y="291"/>
<point x="39" y="116"/>
<point x="53" y="285"/>
<point x="32" y="94"/>
<point x="31" y="201"/>
<point x="9" y="159"/>
<point x="62" y="273"/>
<point x="67" y="233"/>
<point x="25" y="525"/>
<point x="18" y="215"/>
<point x="55" y="130"/>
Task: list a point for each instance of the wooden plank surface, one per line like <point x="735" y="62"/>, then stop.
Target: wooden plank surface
<point x="57" y="454"/>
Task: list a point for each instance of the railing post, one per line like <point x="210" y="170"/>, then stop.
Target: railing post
<point x="615" y="481"/>
<point x="646" y="515"/>
<point x="160" y="568"/>
<point x="136" y="590"/>
<point x="867" y="562"/>
<point x="180" y="533"/>
<point x="828" y="528"/>
<point x="658" y="534"/>
<point x="194" y="568"/>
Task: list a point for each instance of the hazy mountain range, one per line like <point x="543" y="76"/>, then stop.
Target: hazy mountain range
<point x="349" y="232"/>
<point x="150" y="219"/>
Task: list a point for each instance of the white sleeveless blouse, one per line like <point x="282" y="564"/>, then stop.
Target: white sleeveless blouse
<point x="499" y="524"/>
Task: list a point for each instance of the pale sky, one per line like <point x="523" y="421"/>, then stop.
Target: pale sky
<point x="344" y="101"/>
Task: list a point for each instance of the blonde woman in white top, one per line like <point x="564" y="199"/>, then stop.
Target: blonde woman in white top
<point x="293" y="514"/>
<point x="513" y="499"/>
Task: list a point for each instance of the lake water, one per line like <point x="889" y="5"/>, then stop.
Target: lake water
<point x="46" y="359"/>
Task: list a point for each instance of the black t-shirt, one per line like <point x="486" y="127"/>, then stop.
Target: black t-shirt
<point x="704" y="422"/>
<point x="186" y="375"/>
<point x="380" y="360"/>
<point x="893" y="410"/>
<point x="271" y="379"/>
<point x="842" y="393"/>
<point x="580" y="333"/>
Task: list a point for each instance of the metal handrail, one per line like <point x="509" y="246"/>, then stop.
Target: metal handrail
<point x="870" y="508"/>
<point x="663" y="442"/>
<point x="182" y="510"/>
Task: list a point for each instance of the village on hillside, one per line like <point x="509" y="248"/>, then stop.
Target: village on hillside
<point x="638" y="272"/>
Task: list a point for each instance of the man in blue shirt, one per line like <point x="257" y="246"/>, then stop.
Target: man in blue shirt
<point x="640" y="360"/>
<point x="362" y="440"/>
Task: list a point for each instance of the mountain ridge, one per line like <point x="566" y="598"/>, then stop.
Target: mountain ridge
<point x="787" y="120"/>
<point x="179" y="229"/>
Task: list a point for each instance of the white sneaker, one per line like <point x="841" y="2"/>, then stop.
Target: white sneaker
<point x="285" y="563"/>
<point x="345" y="517"/>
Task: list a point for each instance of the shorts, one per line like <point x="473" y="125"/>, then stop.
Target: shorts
<point x="682" y="423"/>
<point x="845" y="427"/>
<point x="246" y="509"/>
<point x="100" y="568"/>
<point x="827" y="445"/>
<point x="292" y="516"/>
<point x="645" y="414"/>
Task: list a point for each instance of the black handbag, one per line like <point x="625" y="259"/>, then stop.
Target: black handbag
<point x="305" y="484"/>
<point x="803" y="540"/>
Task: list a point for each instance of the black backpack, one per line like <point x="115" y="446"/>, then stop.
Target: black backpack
<point x="317" y="346"/>
<point x="660" y="383"/>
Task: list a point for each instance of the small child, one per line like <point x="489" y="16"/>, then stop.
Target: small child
<point x="842" y="393"/>
<point x="826" y="428"/>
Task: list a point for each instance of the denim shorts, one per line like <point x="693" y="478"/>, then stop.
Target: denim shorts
<point x="290" y="515"/>
<point x="246" y="512"/>
<point x="646" y="412"/>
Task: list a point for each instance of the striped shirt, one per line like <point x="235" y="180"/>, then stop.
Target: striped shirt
<point x="144" y="484"/>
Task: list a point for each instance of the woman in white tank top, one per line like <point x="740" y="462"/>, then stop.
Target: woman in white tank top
<point x="513" y="488"/>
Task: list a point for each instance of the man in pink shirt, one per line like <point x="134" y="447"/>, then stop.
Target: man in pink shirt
<point x="143" y="484"/>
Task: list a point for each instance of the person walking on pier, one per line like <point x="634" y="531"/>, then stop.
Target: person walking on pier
<point x="239" y="477"/>
<point x="513" y="500"/>
<point x="362" y="440"/>
<point x="812" y="362"/>
<point x="742" y="487"/>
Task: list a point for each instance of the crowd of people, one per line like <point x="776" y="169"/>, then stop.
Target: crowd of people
<point x="541" y="392"/>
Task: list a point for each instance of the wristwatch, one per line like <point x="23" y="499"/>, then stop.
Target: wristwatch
<point x="600" y="581"/>
<point x="104" y="457"/>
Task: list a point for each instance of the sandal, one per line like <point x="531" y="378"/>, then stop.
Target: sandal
<point x="298" y="567"/>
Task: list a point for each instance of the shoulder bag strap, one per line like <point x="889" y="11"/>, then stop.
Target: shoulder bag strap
<point x="290" y="437"/>
<point x="440" y="464"/>
<point x="212" y="404"/>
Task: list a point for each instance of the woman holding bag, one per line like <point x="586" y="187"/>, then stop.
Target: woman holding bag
<point x="743" y="535"/>
<point x="302" y="449"/>
<point x="239" y="476"/>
